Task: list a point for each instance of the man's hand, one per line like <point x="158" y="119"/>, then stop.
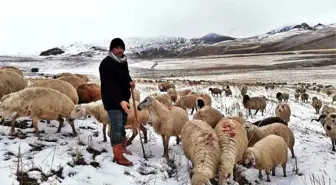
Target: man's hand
<point x="124" y="105"/>
<point x="132" y="85"/>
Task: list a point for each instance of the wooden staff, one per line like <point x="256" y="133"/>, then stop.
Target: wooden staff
<point x="137" y="121"/>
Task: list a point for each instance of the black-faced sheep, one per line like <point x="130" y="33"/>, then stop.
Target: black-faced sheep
<point x="38" y="103"/>
<point x="255" y="133"/>
<point x="267" y="154"/>
<point x="88" y="93"/>
<point x="200" y="144"/>
<point x="59" y="85"/>
<point x="233" y="143"/>
<point x="269" y="120"/>
<point x="254" y="103"/>
<point x="228" y="92"/>
<point x="325" y="111"/>
<point x="165" y="122"/>
<point x="279" y="96"/>
<point x="283" y="111"/>
<point x="206" y="98"/>
<point x="208" y="114"/>
<point x="215" y="91"/>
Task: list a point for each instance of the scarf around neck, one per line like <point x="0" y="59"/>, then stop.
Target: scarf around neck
<point x="116" y="58"/>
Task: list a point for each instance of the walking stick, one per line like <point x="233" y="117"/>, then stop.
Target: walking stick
<point x="137" y="121"/>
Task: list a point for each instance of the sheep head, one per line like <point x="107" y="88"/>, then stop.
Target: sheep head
<point x="330" y="122"/>
<point x="146" y="103"/>
<point x="281" y="108"/>
<point x="249" y="159"/>
<point x="246" y="98"/>
<point x="200" y="103"/>
<point x="314" y="98"/>
<point x="78" y="112"/>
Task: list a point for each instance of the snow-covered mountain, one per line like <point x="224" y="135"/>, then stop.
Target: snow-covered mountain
<point x="163" y="46"/>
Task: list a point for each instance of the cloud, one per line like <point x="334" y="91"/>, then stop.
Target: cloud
<point x="35" y="25"/>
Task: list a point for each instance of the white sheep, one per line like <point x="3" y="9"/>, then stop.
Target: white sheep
<point x="233" y="143"/>
<point x="201" y="145"/>
<point x="38" y="103"/>
<point x="166" y="122"/>
<point x="255" y="133"/>
<point x="208" y="114"/>
<point x="267" y="154"/>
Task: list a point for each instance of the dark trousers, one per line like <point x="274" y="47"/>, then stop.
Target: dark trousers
<point x="118" y="120"/>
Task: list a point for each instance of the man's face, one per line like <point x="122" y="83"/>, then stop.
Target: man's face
<point x="118" y="51"/>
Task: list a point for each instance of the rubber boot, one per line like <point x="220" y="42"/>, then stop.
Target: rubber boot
<point x="119" y="157"/>
<point x="124" y="145"/>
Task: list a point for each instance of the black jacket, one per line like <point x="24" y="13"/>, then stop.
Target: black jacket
<point x="115" y="83"/>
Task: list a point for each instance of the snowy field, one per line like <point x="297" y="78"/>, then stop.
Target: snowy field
<point x="86" y="160"/>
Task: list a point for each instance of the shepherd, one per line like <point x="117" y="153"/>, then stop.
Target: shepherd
<point x="116" y="83"/>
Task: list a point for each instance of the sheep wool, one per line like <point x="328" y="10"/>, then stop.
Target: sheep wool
<point x="255" y="134"/>
<point x="59" y="85"/>
<point x="266" y="154"/>
<point x="14" y="69"/>
<point x="164" y="99"/>
<point x="233" y="143"/>
<point x="283" y="111"/>
<point x="11" y="82"/>
<point x="38" y="103"/>
<point x="208" y="114"/>
<point x="188" y="101"/>
<point x="88" y="93"/>
<point x="173" y="94"/>
<point x="200" y="144"/>
<point x="73" y="80"/>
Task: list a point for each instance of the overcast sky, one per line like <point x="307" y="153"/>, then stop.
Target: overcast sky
<point x="35" y="25"/>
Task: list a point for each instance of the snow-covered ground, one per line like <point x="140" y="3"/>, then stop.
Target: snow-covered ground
<point x="74" y="161"/>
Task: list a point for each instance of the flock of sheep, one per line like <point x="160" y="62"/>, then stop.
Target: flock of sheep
<point x="215" y="144"/>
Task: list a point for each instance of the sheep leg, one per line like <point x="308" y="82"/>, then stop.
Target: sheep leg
<point x="144" y="131"/>
<point x="35" y="123"/>
<point x="11" y="133"/>
<point x="104" y="133"/>
<point x="72" y="124"/>
<point x="256" y="111"/>
<point x="268" y="175"/>
<point x="260" y="175"/>
<point x="134" y="134"/>
<point x="192" y="110"/>
<point x="292" y="151"/>
<point x="165" y="140"/>
<point x="284" y="169"/>
<point x="273" y="171"/>
<point x="333" y="143"/>
<point x="250" y="113"/>
<point x="177" y="140"/>
<point x="60" y="125"/>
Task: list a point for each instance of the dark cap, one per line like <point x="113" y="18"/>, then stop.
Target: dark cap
<point x="117" y="42"/>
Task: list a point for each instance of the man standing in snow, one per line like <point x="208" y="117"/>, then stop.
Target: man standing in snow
<point x="115" y="92"/>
